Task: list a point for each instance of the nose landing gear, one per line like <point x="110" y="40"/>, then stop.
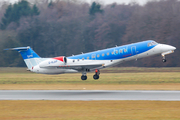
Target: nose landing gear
<point x="96" y="76"/>
<point x="166" y="53"/>
<point x="164" y="59"/>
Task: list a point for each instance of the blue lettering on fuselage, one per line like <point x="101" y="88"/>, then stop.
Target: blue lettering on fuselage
<point x="120" y="51"/>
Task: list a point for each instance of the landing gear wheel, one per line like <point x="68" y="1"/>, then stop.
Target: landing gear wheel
<point x="96" y="77"/>
<point x="83" y="77"/>
<point x="97" y="73"/>
<point x="164" y="60"/>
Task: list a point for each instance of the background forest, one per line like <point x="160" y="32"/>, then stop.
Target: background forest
<point x="66" y="27"/>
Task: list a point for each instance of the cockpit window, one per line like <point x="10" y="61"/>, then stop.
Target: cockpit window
<point x="152" y="43"/>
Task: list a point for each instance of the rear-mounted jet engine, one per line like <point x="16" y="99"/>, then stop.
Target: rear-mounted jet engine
<point x="53" y="62"/>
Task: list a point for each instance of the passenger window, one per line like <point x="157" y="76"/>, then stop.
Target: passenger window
<point x="103" y="54"/>
<point x="97" y="55"/>
<point x="93" y="56"/>
<point x="107" y="53"/>
<point x="121" y="51"/>
<point x="112" y="53"/>
<point x="116" y="52"/>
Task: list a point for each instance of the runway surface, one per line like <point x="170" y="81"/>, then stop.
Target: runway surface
<point x="89" y="95"/>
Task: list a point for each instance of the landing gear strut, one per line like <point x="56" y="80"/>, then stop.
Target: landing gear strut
<point x="84" y="77"/>
<point x="96" y="76"/>
<point x="164" y="59"/>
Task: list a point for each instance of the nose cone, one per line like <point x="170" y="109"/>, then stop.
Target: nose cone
<point x="173" y="48"/>
<point x="167" y="47"/>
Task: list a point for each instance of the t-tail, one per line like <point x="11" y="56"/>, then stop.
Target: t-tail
<point x="30" y="57"/>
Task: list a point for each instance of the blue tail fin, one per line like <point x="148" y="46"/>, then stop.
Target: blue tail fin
<point x="30" y="57"/>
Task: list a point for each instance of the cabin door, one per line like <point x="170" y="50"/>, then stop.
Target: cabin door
<point x="133" y="50"/>
<point x="93" y="56"/>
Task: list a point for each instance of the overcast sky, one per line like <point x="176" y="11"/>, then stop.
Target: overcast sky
<point x="107" y="1"/>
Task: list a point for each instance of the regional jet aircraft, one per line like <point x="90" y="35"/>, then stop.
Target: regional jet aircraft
<point x="92" y="61"/>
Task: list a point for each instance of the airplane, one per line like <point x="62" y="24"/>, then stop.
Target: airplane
<point x="92" y="61"/>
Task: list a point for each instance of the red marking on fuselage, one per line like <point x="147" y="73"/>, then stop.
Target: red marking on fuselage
<point x="127" y="55"/>
<point x="59" y="58"/>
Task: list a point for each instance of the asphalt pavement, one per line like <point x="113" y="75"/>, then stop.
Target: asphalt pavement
<point x="89" y="95"/>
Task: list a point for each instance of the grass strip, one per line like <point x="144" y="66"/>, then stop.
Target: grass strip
<point x="90" y="110"/>
<point x="105" y="78"/>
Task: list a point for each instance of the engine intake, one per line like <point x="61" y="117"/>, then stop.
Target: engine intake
<point x="62" y="58"/>
<point x="53" y="62"/>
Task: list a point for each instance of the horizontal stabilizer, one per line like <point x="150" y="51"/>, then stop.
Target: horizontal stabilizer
<point x="18" y="48"/>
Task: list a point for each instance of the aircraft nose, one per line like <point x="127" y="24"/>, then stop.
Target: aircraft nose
<point x="168" y="47"/>
<point x="173" y="48"/>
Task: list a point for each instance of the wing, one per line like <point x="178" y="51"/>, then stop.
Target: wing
<point x="82" y="67"/>
<point x="78" y="67"/>
<point x="63" y="63"/>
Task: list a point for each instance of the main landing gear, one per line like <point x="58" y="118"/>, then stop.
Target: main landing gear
<point x="96" y="76"/>
<point x="83" y="77"/>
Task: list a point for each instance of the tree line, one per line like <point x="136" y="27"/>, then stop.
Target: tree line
<point x="63" y="28"/>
